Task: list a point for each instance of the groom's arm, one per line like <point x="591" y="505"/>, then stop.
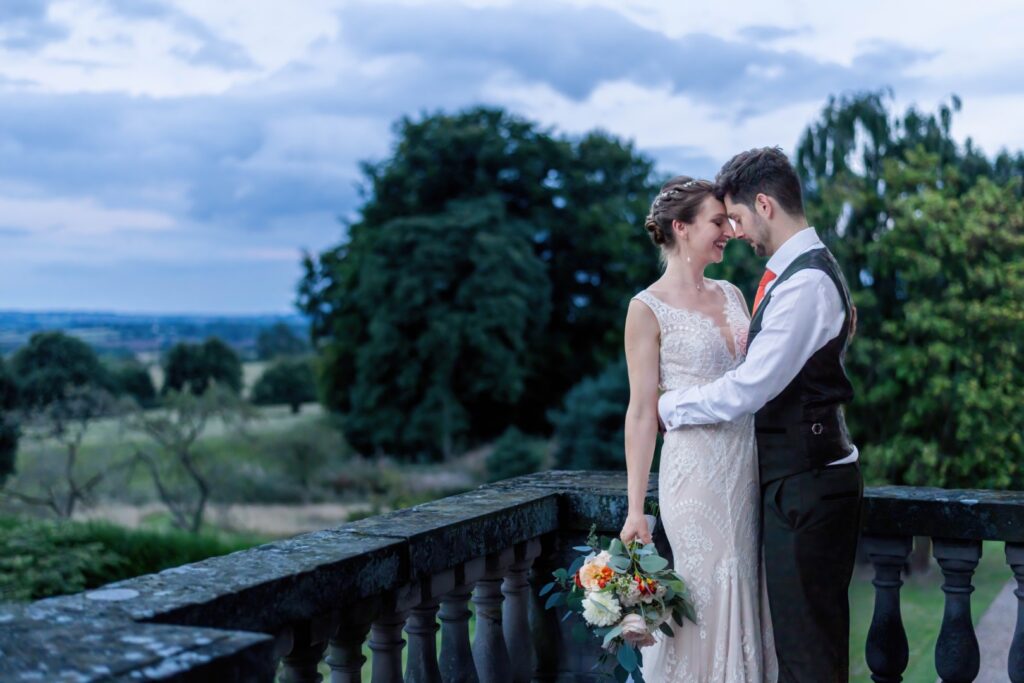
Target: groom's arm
<point x="804" y="313"/>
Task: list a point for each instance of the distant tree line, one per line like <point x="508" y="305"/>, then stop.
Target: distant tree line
<point x="58" y="383"/>
<point x="484" y="287"/>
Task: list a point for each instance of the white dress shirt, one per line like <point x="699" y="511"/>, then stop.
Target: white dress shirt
<point x="805" y="313"/>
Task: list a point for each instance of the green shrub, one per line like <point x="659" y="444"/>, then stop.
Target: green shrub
<point x="589" y="428"/>
<point x="515" y="454"/>
<point x="40" y="559"/>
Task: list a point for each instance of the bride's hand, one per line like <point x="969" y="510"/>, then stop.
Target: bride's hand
<point x="635" y="527"/>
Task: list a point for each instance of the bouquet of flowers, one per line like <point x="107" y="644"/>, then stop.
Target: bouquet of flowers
<point x="624" y="593"/>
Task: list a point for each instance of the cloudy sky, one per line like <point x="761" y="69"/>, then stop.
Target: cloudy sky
<point x="177" y="155"/>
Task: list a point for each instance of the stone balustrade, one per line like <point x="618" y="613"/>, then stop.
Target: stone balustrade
<point x="290" y="609"/>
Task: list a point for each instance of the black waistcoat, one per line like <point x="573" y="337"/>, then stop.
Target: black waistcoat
<point x="803" y="427"/>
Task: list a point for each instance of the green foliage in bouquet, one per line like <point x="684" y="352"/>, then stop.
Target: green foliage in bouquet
<point x="624" y="594"/>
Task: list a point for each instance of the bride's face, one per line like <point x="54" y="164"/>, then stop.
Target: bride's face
<point x="705" y="239"/>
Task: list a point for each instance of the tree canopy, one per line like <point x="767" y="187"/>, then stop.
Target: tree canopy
<point x="489" y="271"/>
<point x="53" y="362"/>
<point x="286" y="381"/>
<point x="929" y="233"/>
<point x="194" y="367"/>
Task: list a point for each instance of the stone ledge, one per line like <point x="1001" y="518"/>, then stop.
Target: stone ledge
<point x="963" y="514"/>
<point x="103" y="650"/>
<point x="269" y="587"/>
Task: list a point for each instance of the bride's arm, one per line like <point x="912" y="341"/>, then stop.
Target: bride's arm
<point x="642" y="350"/>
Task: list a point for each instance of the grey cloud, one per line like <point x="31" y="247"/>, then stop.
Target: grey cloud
<point x="767" y="33"/>
<point x="212" y="49"/>
<point x="684" y="159"/>
<point x="25" y="25"/>
<point x="576" y="50"/>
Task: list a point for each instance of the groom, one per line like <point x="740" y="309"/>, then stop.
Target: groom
<point x="794" y="381"/>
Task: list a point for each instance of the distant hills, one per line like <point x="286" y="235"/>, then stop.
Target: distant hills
<point x="142" y="335"/>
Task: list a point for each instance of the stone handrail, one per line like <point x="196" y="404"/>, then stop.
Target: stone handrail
<point x="278" y="608"/>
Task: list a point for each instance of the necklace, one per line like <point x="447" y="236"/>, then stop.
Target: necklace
<point x="699" y="287"/>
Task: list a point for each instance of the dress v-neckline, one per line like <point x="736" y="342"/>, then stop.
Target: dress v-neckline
<point x="730" y="349"/>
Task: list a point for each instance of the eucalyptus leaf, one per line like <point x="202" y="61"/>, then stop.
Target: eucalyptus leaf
<point x="620" y="563"/>
<point x="653" y="563"/>
<point x="555" y="599"/>
<point x="548" y="587"/>
<point x="667" y="630"/>
<point x="583" y="548"/>
<point x="616" y="547"/>
<point x="627" y="658"/>
<point x="575" y="566"/>
<point x="611" y="634"/>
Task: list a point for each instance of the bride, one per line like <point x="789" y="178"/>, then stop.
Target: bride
<point x="687" y="330"/>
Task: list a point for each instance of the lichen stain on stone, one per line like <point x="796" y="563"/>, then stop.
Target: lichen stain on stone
<point x="113" y="594"/>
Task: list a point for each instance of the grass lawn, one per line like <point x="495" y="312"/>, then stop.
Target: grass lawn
<point x="220" y="447"/>
<point x="921" y="603"/>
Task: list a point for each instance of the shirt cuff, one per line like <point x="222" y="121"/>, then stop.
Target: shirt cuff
<point x="667" y="409"/>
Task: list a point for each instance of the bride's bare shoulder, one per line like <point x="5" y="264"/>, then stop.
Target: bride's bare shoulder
<point x="641" y="313"/>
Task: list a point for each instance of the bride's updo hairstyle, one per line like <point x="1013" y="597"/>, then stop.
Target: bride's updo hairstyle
<point x="679" y="199"/>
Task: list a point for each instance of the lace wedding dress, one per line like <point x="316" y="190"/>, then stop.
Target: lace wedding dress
<point x="709" y="500"/>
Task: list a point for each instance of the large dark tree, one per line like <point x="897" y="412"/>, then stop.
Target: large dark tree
<point x="547" y="226"/>
<point x="195" y="366"/>
<point x="929" y="234"/>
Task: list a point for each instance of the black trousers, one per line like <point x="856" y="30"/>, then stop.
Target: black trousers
<point x="810" y="523"/>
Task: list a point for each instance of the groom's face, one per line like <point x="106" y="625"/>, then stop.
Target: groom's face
<point x="749" y="227"/>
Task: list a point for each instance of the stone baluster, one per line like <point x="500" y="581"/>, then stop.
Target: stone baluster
<point x="544" y="626"/>
<point x="516" y="611"/>
<point x="420" y="601"/>
<point x="456" y="662"/>
<point x="421" y="626"/>
<point x="301" y="664"/>
<point x="490" y="653"/>
<point x="1015" y="663"/>
<point x="887" y="652"/>
<point x="345" y="651"/>
<point x="386" y="643"/>
<point x="456" y="654"/>
<point x="957" y="658"/>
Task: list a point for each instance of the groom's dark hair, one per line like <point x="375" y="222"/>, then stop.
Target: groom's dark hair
<point x="761" y="170"/>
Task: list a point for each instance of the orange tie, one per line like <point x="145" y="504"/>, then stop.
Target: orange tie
<point x="765" y="279"/>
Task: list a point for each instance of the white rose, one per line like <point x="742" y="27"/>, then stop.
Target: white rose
<point x="601" y="609"/>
